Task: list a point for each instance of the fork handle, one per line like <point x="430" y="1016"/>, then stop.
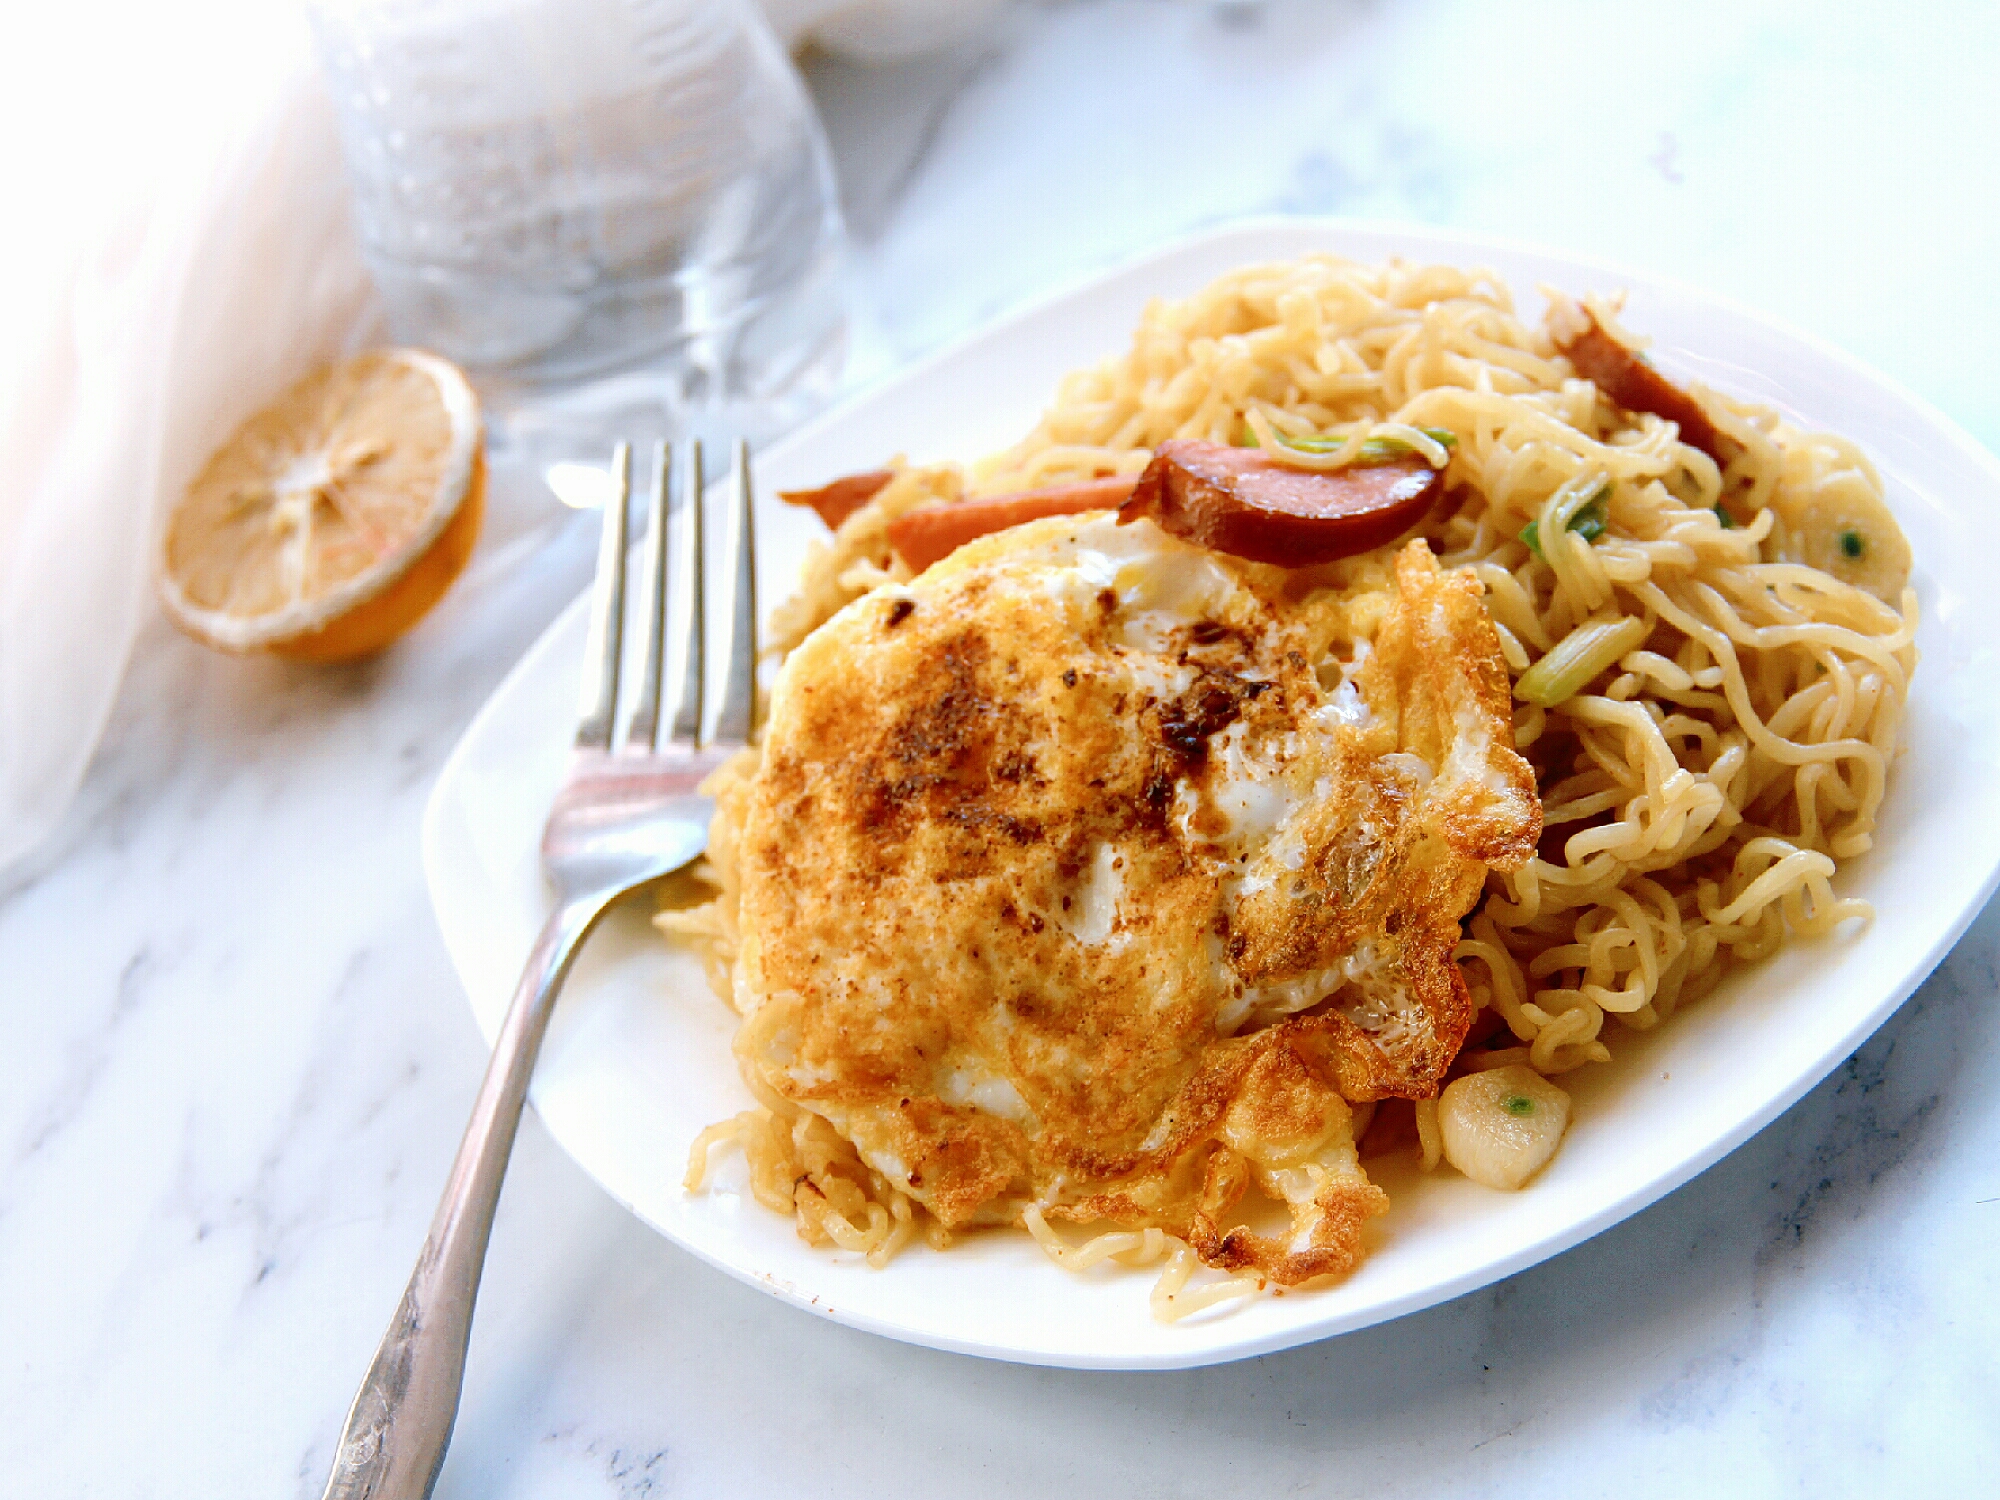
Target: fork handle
<point x="400" y="1424"/>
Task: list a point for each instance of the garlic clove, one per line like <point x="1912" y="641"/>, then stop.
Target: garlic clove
<point x="1843" y="527"/>
<point x="1501" y="1127"/>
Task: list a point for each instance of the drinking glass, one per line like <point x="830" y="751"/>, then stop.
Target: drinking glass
<point x="619" y="216"/>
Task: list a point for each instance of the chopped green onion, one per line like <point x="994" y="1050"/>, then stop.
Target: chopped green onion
<point x="1374" y="450"/>
<point x="1518" y="1105"/>
<point x="1588" y="522"/>
<point x="1577" y="658"/>
<point x="1851" y="545"/>
<point x="1729" y="522"/>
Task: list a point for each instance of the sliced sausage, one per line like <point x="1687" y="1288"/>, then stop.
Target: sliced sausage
<point x="1243" y="502"/>
<point x="837" y="501"/>
<point x="933" y="532"/>
<point x="1620" y="373"/>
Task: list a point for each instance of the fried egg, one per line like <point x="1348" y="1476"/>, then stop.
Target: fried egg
<point x="1096" y="872"/>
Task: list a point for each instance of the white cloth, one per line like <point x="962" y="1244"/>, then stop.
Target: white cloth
<point x="195" y="257"/>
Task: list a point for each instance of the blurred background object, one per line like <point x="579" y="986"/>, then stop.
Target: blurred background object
<point x="618" y="215"/>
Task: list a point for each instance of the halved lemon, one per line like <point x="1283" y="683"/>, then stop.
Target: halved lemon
<point x="332" y="520"/>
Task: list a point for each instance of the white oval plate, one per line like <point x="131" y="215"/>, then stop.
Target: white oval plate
<point x="638" y="1058"/>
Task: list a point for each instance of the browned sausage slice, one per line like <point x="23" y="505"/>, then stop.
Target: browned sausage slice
<point x="932" y="532"/>
<point x="1621" y="374"/>
<point x="837" y="501"/>
<point x="1243" y="502"/>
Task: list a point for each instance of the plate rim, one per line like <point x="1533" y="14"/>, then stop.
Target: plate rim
<point x="1422" y="240"/>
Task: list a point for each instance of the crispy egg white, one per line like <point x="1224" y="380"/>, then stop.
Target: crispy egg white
<point x="1095" y="871"/>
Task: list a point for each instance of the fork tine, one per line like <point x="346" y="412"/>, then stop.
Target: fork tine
<point x="607" y="615"/>
<point x="642" y="732"/>
<point x="737" y="715"/>
<point x="684" y="598"/>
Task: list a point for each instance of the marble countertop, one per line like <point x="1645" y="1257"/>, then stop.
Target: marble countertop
<point x="242" y="1060"/>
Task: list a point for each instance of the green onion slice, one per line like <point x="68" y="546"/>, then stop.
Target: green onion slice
<point x="1374" y="450"/>
<point x="1583" y="504"/>
<point x="1577" y="658"/>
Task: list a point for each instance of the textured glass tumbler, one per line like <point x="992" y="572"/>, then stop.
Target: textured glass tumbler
<point x="617" y="215"/>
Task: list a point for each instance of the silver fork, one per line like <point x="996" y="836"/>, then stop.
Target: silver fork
<point x="626" y="815"/>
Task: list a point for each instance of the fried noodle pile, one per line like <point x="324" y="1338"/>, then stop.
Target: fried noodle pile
<point x="1699" y="790"/>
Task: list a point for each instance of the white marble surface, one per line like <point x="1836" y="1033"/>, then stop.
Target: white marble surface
<point x="241" y="1061"/>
